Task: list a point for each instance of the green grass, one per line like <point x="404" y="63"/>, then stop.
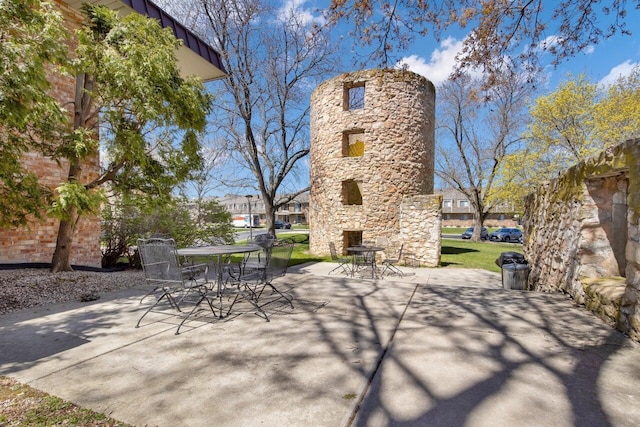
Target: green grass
<point x="455" y="253"/>
<point x="300" y="254"/>
<point x="466" y="254"/>
<point x="23" y="405"/>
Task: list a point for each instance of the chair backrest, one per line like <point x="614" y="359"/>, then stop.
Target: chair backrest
<point x="398" y="256"/>
<point x="264" y="240"/>
<point x="334" y="252"/>
<point x="278" y="261"/>
<point x="160" y="260"/>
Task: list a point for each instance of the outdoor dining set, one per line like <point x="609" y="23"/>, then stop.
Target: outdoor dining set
<point x="221" y="275"/>
<point x="363" y="261"/>
<point x="179" y="278"/>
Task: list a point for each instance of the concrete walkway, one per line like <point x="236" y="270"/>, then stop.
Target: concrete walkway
<point x="439" y="347"/>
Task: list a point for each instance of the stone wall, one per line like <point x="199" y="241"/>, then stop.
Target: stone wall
<point x="365" y="159"/>
<point x="37" y="241"/>
<point x="421" y="216"/>
<point x="582" y="235"/>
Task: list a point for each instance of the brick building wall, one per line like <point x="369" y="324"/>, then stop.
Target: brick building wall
<point x="372" y="146"/>
<point x="36" y="242"/>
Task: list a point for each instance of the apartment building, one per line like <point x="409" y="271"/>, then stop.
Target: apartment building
<point x="458" y="212"/>
<point x="294" y="212"/>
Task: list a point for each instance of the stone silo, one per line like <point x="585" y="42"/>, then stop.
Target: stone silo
<point x="372" y="161"/>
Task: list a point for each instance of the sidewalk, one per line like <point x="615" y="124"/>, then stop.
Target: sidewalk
<point x="437" y="347"/>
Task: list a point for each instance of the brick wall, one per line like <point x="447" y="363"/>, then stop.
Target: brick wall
<point x="37" y="241"/>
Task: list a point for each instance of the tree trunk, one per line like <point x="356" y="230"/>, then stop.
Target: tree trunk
<point x="270" y="215"/>
<point x="477" y="228"/>
<point x="61" y="260"/>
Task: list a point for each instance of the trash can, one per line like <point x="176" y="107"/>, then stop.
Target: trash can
<point x="514" y="276"/>
<point x="515" y="270"/>
<point x="510" y="258"/>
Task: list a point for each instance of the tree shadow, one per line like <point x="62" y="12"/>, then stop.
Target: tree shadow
<point x="350" y="346"/>
<point x="490" y="329"/>
<point x="451" y="250"/>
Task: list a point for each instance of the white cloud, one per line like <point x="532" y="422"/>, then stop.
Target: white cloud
<point x="304" y="15"/>
<point x="618" y="71"/>
<point x="440" y="65"/>
<point x="548" y="43"/>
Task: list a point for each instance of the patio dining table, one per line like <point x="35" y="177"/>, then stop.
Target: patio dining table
<point x="369" y="253"/>
<point x="220" y="253"/>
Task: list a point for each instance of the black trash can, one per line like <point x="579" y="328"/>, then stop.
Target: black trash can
<point x="515" y="270"/>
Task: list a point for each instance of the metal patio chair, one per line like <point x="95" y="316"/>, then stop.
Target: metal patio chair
<point x="170" y="280"/>
<point x="365" y="261"/>
<point x="259" y="260"/>
<point x="255" y="278"/>
<point x="344" y="264"/>
<point x="390" y="264"/>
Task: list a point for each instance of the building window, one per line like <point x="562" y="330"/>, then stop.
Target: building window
<point x="353" y="143"/>
<point x="463" y="203"/>
<point x="297" y="208"/>
<point x="447" y="204"/>
<point x="351" y="194"/>
<point x="353" y="96"/>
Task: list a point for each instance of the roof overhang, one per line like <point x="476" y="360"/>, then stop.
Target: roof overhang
<point x="195" y="57"/>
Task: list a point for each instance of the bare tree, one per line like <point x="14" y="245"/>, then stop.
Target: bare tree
<point x="204" y="181"/>
<point x="476" y="130"/>
<point x="273" y="58"/>
<point x="499" y="29"/>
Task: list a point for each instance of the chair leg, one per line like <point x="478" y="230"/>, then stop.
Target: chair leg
<point x="275" y="290"/>
<point x="336" y="268"/>
<point x="250" y="296"/>
<point x="149" y="293"/>
<point x="203" y="297"/>
<point x="392" y="268"/>
<point x="345" y="268"/>
<point x="170" y="299"/>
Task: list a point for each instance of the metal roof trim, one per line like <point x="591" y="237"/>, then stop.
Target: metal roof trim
<point x="192" y="41"/>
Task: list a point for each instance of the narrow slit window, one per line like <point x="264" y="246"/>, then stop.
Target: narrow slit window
<point x="354" y="96"/>
<point x="351" y="194"/>
<point x="353" y="143"/>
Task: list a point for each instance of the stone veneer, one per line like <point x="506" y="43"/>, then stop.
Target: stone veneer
<point x="372" y="167"/>
<point x="582" y="235"/>
<point x="37" y="241"/>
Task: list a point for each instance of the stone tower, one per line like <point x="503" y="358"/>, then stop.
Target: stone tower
<point x="372" y="161"/>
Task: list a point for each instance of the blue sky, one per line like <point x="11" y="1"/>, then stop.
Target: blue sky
<point x="436" y="60"/>
<point x="601" y="63"/>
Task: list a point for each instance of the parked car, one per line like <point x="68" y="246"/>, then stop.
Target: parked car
<point x="469" y="231"/>
<point x="506" y="234"/>
<point x="281" y="224"/>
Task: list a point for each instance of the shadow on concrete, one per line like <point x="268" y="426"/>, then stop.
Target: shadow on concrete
<point x="527" y="347"/>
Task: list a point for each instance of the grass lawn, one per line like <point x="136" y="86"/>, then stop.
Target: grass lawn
<point x="466" y="254"/>
<point x="455" y="253"/>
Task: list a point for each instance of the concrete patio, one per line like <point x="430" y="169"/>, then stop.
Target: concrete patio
<point x="441" y="347"/>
